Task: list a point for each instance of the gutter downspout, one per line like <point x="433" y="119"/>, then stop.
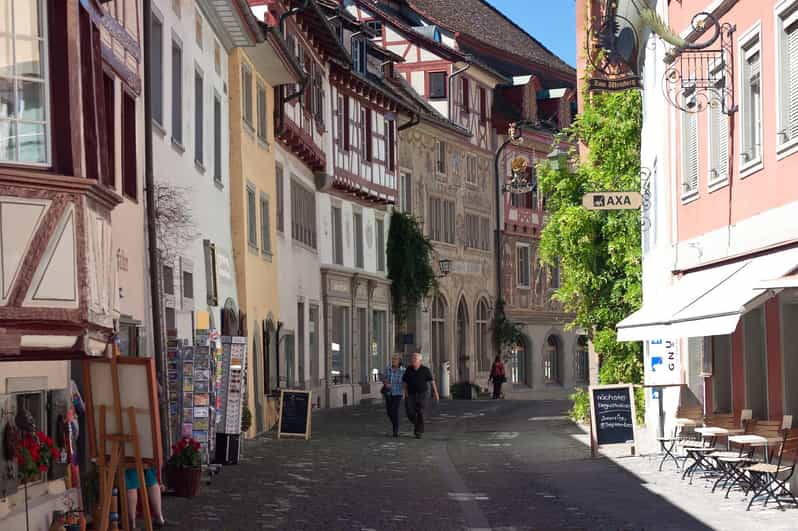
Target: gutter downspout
<point x="280" y="129"/>
<point x="412" y="123"/>
<point x="451" y="85"/>
<point x="152" y="236"/>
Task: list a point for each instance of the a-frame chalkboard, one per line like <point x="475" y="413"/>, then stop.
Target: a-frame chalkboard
<point x="295" y="412"/>
<point x="612" y="416"/>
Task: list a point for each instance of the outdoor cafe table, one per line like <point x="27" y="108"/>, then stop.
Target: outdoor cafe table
<point x="699" y="454"/>
<point x="755" y="441"/>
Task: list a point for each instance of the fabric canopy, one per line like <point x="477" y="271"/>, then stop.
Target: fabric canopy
<point x="711" y="301"/>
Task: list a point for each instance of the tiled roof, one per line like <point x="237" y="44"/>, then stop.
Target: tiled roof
<point x="481" y="21"/>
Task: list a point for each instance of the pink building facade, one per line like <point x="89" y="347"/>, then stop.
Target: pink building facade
<point x="721" y="236"/>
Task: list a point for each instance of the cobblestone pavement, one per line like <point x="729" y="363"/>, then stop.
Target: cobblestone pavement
<point x="500" y="465"/>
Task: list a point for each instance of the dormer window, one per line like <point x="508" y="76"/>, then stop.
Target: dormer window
<point x="437" y="85"/>
<point x="359" y="57"/>
<point x="376" y="27"/>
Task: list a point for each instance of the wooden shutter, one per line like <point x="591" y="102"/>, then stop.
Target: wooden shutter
<point x="346" y="123"/>
<point x="211" y="288"/>
<point x="690" y="153"/>
<point x="719" y="145"/>
<point x="792" y="91"/>
<point x="466" y="96"/>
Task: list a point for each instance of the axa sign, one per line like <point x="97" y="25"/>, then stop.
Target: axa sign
<point x="612" y="200"/>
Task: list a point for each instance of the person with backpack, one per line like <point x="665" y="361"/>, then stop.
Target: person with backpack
<point x="497" y="376"/>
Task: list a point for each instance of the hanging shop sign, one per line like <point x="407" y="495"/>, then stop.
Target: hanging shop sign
<point x="613" y="46"/>
<point x="612" y="200"/>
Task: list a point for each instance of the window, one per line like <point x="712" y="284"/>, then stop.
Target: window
<point x="129" y="169"/>
<point x="288" y="349"/>
<point x="337" y="237"/>
<point x="554" y="275"/>
<point x="318" y="95"/>
<point x="482" y="339"/>
<point x="156" y="77"/>
<point x="188" y="285"/>
<point x="177" y="93"/>
<point x="252" y="218"/>
<point x="751" y="104"/>
<point x="483" y="104"/>
<point x="379" y="340"/>
<point x="367" y="148"/>
<point x="441" y="220"/>
<point x="168" y="280"/>
<point x="359" y="56"/>
<point x="471" y="169"/>
<point x="109" y="86"/>
<point x="24" y="129"/>
<point x="551" y="358"/>
<point x="300" y="341"/>
<point x="303" y="214"/>
<point x="246" y="92"/>
<point x="380" y="230"/>
<point x="198" y="28"/>
<point x="169" y="318"/>
<point x="313" y="342"/>
<point x="787" y="75"/>
<point x="376" y="27"/>
<point x="339" y="366"/>
<point x="689" y="154"/>
<point x="346" y="123"/>
<point x="278" y="172"/>
<point x="440" y="156"/>
<point x="390" y="145"/>
<point x="582" y="363"/>
<point x="438" y="333"/>
<point x="476" y="235"/>
<point x="718" y="137"/>
<point x="265" y="232"/>
<point x="466" y="95"/>
<point x="522" y="269"/>
<point x="437" y="85"/>
<point x="405" y="192"/>
<point x="262" y="124"/>
<point x="199" y="119"/>
<point x="357" y="224"/>
<point x="217" y="139"/>
<point x="217" y="58"/>
<point x="211" y="286"/>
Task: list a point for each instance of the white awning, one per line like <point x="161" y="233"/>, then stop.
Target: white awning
<point x="785" y="282"/>
<point x="709" y="302"/>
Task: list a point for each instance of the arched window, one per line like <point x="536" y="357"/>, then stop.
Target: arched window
<point x="483" y="338"/>
<point x="462" y="340"/>
<point x="551" y="361"/>
<point x="438" y="346"/>
<point x="582" y="364"/>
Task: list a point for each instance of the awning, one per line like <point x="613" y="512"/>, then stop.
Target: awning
<point x="710" y="302"/>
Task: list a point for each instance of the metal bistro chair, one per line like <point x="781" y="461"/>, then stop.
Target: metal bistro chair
<point x="715" y="427"/>
<point x="759" y="434"/>
<point x="687" y="418"/>
<point x="772" y="479"/>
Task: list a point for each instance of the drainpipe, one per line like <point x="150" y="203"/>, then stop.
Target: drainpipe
<point x="152" y="237"/>
<point x="303" y="84"/>
<point x="323" y="319"/>
<point x="412" y="123"/>
<point x="451" y="86"/>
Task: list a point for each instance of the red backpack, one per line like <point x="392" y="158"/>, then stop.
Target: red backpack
<point x="498" y="369"/>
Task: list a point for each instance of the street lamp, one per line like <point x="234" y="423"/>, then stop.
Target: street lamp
<point x="555" y="157"/>
<point x="520" y="183"/>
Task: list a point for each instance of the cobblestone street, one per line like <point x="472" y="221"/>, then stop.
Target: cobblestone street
<point x="481" y="465"/>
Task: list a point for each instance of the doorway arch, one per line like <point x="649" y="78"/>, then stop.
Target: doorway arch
<point x="552" y="360"/>
<point x="462" y="341"/>
<point x="438" y="333"/>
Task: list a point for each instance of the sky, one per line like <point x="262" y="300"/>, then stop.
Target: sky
<point x="552" y="22"/>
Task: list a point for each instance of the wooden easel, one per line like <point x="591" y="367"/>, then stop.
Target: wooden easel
<point x="113" y="470"/>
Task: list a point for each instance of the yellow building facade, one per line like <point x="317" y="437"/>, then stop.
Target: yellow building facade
<point x="254" y="74"/>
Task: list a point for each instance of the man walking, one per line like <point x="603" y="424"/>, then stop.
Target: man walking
<point x="416" y="381"/>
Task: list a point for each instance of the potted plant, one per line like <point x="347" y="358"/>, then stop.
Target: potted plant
<point x="35" y="453"/>
<point x="184" y="468"/>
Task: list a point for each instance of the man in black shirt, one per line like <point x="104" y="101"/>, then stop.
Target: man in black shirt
<point x="415" y="384"/>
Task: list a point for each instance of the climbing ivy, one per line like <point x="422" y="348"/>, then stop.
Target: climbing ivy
<point x="409" y="264"/>
<point x="506" y="333"/>
<point x="600" y="251"/>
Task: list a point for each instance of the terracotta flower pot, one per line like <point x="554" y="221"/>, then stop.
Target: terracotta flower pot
<point x="184" y="481"/>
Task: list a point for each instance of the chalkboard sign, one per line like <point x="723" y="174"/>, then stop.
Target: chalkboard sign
<point x="612" y="415"/>
<point x="295" y="410"/>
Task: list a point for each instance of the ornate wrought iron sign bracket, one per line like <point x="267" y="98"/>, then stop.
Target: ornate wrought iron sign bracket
<point x="701" y="75"/>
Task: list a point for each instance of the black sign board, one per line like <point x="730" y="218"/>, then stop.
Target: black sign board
<point x="612" y="415"/>
<point x="295" y="411"/>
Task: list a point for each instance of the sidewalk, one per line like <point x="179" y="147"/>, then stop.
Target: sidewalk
<point x="697" y="499"/>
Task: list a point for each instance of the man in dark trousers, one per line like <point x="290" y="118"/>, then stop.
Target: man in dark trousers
<point x="415" y="384"/>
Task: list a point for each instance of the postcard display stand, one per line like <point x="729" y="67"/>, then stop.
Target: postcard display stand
<point x="230" y="399"/>
<point x="174" y="371"/>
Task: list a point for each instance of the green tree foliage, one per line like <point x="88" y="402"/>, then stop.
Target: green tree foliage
<point x="409" y="255"/>
<point x="600" y="251"/>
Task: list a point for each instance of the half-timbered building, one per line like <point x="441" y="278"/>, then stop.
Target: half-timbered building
<point x="69" y="153"/>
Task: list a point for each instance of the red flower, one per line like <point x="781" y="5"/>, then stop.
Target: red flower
<point x="56" y="453"/>
<point x="43" y="468"/>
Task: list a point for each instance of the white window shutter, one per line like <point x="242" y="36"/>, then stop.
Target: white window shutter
<point x="690" y="150"/>
<point x="792" y="89"/>
<point x="723" y="144"/>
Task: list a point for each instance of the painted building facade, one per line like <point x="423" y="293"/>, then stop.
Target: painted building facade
<point x="61" y="180"/>
<point x="720" y="250"/>
<point x="254" y="74"/>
